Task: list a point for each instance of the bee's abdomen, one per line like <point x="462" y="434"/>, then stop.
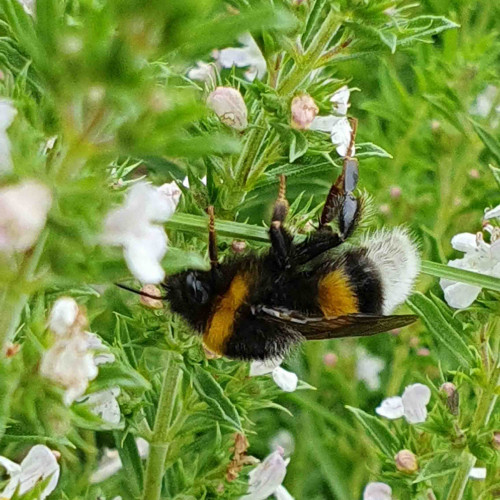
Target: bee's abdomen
<point x="352" y="285"/>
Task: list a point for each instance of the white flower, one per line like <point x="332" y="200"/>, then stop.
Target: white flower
<point x="248" y="54"/>
<point x="412" y="405"/>
<point x="377" y="491"/>
<point x="477" y="473"/>
<point x="480" y="257"/>
<point x="368" y="368"/>
<point x="337" y="124"/>
<point x="104" y="405"/>
<point x="23" y="213"/>
<point x="204" y="72"/>
<point x="267" y="478"/>
<point x="484" y="101"/>
<point x="38" y="465"/>
<point x="283" y="440"/>
<point x="492" y="213"/>
<point x="110" y="462"/>
<point x="134" y="227"/>
<point x="28" y="6"/>
<point x="7" y="115"/>
<point x="229" y="106"/>
<point x="285" y="380"/>
<point x="72" y="360"/>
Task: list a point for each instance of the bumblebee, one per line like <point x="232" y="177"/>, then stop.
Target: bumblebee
<point x="257" y="307"/>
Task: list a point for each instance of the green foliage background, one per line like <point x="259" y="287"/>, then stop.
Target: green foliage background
<point x="108" y="79"/>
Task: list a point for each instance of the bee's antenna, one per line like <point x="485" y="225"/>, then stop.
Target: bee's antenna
<point x="139" y="292"/>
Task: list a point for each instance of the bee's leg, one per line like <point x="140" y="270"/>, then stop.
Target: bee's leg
<point x="281" y="240"/>
<point x="212" y="239"/>
<point x="341" y="203"/>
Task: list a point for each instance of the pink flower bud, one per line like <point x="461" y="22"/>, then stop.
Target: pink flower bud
<point x="474" y="173"/>
<point x="330" y="359"/>
<point x="304" y="110"/>
<point x="395" y="192"/>
<point x="496" y="440"/>
<point x="149" y="301"/>
<point x="452" y="399"/>
<point x="229" y="106"/>
<point x="406" y="461"/>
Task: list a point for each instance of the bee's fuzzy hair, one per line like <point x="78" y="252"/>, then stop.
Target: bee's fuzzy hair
<point x="396" y="256"/>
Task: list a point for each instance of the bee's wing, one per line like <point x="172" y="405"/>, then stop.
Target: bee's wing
<point x="323" y="327"/>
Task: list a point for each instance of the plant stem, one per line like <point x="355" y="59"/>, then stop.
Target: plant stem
<point x="457" y="489"/>
<point x="159" y="444"/>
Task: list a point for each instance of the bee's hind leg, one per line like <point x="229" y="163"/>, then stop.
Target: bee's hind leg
<point x="341" y="204"/>
<point x="281" y="239"/>
<point x="212" y="239"/>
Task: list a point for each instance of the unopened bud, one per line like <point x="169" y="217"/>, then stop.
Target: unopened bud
<point x="496" y="440"/>
<point x="452" y="399"/>
<point x="229" y="106"/>
<point x="238" y="246"/>
<point x="474" y="173"/>
<point x="395" y="192"/>
<point x="304" y="110"/>
<point x="11" y="350"/>
<point x="406" y="461"/>
<point x="330" y="359"/>
<point x="150" y="301"/>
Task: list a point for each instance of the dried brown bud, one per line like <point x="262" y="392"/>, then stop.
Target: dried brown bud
<point x="304" y="110"/>
<point x="149" y="301"/>
<point x="238" y="246"/>
<point x="496" y="440"/>
<point x="452" y="399"/>
<point x="240" y="457"/>
<point x="406" y="461"/>
<point x="11" y="350"/>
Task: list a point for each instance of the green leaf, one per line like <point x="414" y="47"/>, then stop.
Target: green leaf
<point x="496" y="174"/>
<point x="442" y="332"/>
<point x="439" y="466"/>
<point x="298" y="146"/>
<point x="131" y="460"/>
<point x="424" y="27"/>
<point x="452" y="273"/>
<point x="377" y="431"/>
<point x="212" y="393"/>
<point x="118" y="375"/>
<point x="177" y="260"/>
<point x="368" y="149"/>
<point x="491" y="143"/>
<point x="389" y="39"/>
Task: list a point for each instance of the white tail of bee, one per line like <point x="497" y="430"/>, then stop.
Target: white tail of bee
<point x="397" y="258"/>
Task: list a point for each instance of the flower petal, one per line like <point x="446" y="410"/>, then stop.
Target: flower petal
<point x="324" y="123"/>
<point x="477" y="473"/>
<point x="415" y="398"/>
<point x="285" y="380"/>
<point x="39" y="464"/>
<point x="282" y="493"/>
<point x="377" y="491"/>
<point x="104" y="405"/>
<point x="341" y="136"/>
<point x="391" y="408"/>
<point x="464" y="242"/>
<point x="264" y="367"/>
<point x="492" y="213"/>
<point x="340" y="100"/>
<point x="62" y="315"/>
<point x="461" y="295"/>
<point x="265" y="479"/>
<point x="368" y="368"/>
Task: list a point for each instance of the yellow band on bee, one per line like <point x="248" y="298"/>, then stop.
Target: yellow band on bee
<point x="335" y="295"/>
<point x="220" y="326"/>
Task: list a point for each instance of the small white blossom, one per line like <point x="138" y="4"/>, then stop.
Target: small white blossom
<point x="110" y="462"/>
<point x="368" y="370"/>
<point x="480" y="257"/>
<point x="73" y="358"/>
<point x="23" y="213"/>
<point x="412" y="405"/>
<point x="134" y="226"/>
<point x="377" y="491"/>
<point x="203" y="72"/>
<point x="104" y="405"/>
<point x="492" y="213"/>
<point x="229" y="106"/>
<point x="484" y="101"/>
<point x="38" y="465"/>
<point x="7" y="115"/>
<point x="285" y="380"/>
<point x="267" y="478"/>
<point x="477" y="473"/>
<point x="337" y="124"/>
<point x="248" y="55"/>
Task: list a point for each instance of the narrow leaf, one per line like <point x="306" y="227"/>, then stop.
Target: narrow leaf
<point x="377" y="431"/>
<point x="491" y="143"/>
<point x="298" y="146"/>
<point x="442" y="332"/>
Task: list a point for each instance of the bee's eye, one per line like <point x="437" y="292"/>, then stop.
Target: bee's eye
<point x="197" y="289"/>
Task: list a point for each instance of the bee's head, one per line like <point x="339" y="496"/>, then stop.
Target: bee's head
<point x="190" y="294"/>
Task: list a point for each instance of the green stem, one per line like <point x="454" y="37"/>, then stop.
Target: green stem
<point x="159" y="444"/>
<point x="457" y="489"/>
